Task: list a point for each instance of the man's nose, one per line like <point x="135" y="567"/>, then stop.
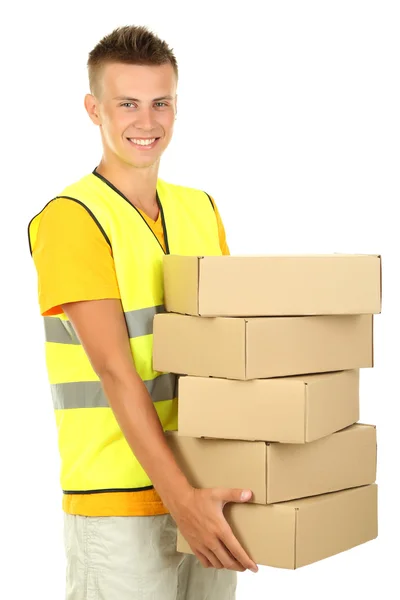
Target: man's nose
<point x="145" y="118"/>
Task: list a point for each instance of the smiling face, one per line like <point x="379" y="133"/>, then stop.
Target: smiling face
<point x="136" y="112"/>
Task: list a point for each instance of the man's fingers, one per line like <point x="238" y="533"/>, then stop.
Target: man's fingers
<point x="210" y="556"/>
<point x="233" y="546"/>
<point x="203" y="559"/>
<point x="225" y="557"/>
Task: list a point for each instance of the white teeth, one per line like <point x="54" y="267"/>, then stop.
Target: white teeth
<point x="143" y="142"/>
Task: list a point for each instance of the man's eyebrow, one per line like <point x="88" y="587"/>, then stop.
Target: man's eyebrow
<point x="127" y="99"/>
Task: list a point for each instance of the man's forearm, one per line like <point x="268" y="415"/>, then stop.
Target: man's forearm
<point x="140" y="424"/>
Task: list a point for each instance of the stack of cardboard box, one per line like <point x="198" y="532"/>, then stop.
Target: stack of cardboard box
<point x="268" y="350"/>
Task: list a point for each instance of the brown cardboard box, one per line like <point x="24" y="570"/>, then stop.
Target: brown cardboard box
<point x="287" y="409"/>
<point x="273" y="285"/>
<point x="297" y="533"/>
<point x="279" y="472"/>
<point x="254" y="348"/>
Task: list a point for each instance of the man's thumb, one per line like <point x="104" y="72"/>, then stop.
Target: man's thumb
<point x="236" y="495"/>
<point x="245" y="495"/>
<point x="233" y="495"/>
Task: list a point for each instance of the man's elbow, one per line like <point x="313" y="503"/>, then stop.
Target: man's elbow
<point x="115" y="370"/>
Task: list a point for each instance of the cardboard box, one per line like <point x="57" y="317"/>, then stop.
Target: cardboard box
<point x="279" y="472"/>
<point x="273" y="285"/>
<point x="297" y="533"/>
<point x="254" y="348"/>
<point x="287" y="409"/>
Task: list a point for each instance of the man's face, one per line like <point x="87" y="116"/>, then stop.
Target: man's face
<point x="136" y="111"/>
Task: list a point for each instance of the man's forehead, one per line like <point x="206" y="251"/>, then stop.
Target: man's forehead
<point x="132" y="81"/>
<point x="122" y="70"/>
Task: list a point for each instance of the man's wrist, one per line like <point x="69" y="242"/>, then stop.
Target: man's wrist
<point x="177" y="495"/>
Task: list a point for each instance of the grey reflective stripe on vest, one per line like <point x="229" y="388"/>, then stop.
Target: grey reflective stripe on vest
<point x="89" y="394"/>
<point x="59" y="331"/>
<point x="139" y="322"/>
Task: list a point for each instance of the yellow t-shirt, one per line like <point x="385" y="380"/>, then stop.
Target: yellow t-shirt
<point x="74" y="263"/>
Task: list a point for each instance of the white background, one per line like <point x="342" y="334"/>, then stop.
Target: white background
<point x="289" y="116"/>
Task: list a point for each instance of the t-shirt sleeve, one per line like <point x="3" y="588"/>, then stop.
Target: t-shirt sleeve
<point x="221" y="230"/>
<point x="72" y="257"/>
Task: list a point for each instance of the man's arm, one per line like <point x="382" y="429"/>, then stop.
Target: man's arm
<point x="101" y="328"/>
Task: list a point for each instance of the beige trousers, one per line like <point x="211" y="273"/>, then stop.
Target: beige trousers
<point x="132" y="558"/>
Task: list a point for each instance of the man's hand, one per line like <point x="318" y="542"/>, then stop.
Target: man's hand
<point x="100" y="325"/>
<point x="199" y="516"/>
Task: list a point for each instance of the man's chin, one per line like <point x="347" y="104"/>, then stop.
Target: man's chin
<point x="145" y="164"/>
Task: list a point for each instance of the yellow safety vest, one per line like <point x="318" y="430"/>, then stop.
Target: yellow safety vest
<point x="94" y="453"/>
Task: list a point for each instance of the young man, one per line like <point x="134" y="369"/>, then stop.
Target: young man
<point x="98" y="249"/>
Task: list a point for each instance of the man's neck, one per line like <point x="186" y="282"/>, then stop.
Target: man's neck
<point x="138" y="185"/>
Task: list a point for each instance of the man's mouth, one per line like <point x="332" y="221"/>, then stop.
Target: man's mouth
<point x="144" y="143"/>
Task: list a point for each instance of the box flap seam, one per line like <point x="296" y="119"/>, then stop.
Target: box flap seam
<point x="246" y="341"/>
<point x="199" y="258"/>
<point x="296" y="516"/>
<point x="306" y="412"/>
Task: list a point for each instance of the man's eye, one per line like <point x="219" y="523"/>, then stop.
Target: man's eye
<point x="162" y="103"/>
<point x="127" y="103"/>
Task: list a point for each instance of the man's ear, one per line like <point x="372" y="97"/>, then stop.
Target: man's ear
<point x="92" y="108"/>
